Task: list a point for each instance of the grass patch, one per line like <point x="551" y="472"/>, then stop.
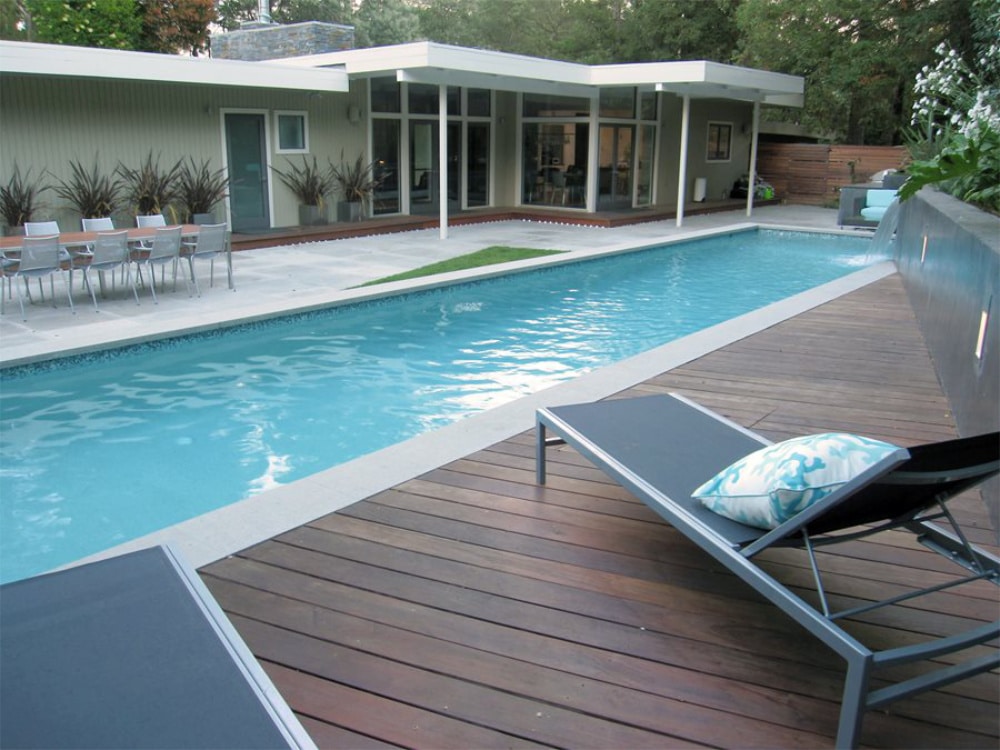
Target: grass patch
<point x="486" y="257"/>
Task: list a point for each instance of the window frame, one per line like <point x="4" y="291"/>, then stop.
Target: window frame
<point x="303" y="116"/>
<point x="718" y="155"/>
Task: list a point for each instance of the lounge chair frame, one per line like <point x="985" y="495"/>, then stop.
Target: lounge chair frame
<point x="629" y="439"/>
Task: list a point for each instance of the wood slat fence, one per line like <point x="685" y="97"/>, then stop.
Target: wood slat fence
<point x="813" y="173"/>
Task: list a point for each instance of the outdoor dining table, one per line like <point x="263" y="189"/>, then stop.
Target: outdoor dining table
<point x="74" y="243"/>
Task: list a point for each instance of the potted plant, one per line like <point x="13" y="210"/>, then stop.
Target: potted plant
<point x="199" y="189"/>
<point x="92" y="193"/>
<point x="356" y="182"/>
<point x="311" y="185"/>
<point x="19" y="200"/>
<point x="148" y="188"/>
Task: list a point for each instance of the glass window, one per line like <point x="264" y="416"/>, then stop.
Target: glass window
<point x="423" y="99"/>
<point x="543" y="105"/>
<point x="555" y="164"/>
<point x="454" y="100"/>
<point x="479" y="102"/>
<point x="720" y="136"/>
<point x="385" y="153"/>
<point x="618" y="102"/>
<point x="478" y="169"/>
<point x="385" y="95"/>
<point x="291" y="127"/>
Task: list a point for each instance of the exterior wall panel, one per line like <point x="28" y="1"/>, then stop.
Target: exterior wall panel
<point x="47" y="123"/>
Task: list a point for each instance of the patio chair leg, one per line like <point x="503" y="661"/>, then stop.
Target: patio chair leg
<point x="90" y="287"/>
<point x="20" y="299"/>
<point x="152" y="284"/>
<point x="69" y="294"/>
<point x="194" y="279"/>
<point x="128" y="279"/>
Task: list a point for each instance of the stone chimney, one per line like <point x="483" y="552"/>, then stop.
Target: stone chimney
<point x="261" y="41"/>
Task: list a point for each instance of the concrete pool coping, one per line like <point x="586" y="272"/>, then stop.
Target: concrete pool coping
<point x="225" y="531"/>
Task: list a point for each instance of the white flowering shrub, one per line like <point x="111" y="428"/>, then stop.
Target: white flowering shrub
<point x="957" y="113"/>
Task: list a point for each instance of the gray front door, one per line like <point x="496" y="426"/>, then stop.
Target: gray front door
<point x="246" y="148"/>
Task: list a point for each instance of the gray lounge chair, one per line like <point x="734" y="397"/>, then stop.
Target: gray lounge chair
<point x="661" y="448"/>
<point x="132" y="652"/>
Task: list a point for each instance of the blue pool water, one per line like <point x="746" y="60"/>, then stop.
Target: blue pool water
<point x="100" y="449"/>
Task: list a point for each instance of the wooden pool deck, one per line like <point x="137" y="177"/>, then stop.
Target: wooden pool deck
<point x="471" y="608"/>
<point x="410" y="222"/>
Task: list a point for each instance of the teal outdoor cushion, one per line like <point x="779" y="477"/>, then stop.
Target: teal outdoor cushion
<point x="769" y="486"/>
<point x="877" y="203"/>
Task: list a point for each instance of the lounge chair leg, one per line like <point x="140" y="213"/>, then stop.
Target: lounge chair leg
<point x="853" y="703"/>
<point x="540" y="453"/>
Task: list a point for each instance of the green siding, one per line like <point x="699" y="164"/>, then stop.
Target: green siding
<point x="46" y="123"/>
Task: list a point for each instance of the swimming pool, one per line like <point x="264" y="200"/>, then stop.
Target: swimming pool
<point x="100" y="449"/>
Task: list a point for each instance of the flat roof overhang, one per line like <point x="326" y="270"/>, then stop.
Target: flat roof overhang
<point x="428" y="62"/>
<point x="63" y="61"/>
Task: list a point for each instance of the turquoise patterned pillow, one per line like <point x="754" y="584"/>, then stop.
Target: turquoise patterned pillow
<point x="769" y="486"/>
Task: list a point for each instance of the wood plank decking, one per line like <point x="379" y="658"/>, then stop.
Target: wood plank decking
<point x="471" y="608"/>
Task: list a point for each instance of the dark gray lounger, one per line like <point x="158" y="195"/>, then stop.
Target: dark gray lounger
<point x="131" y="652"/>
<point x="661" y="448"/>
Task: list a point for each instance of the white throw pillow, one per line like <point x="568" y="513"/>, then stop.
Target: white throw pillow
<point x="769" y="486"/>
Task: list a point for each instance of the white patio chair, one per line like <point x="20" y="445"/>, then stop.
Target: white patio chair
<point x="210" y="243"/>
<point x="143" y="221"/>
<point x="40" y="228"/>
<point x="103" y="224"/>
<point x="46" y="229"/>
<point x="151" y="220"/>
<point x="165" y="248"/>
<point x="39" y="257"/>
<point x="110" y="251"/>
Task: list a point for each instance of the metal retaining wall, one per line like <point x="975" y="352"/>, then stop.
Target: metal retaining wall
<point x="948" y="254"/>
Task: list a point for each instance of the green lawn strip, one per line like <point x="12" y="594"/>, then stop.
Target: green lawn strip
<point x="485" y="257"/>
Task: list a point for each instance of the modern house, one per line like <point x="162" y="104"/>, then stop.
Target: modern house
<point x="449" y="129"/>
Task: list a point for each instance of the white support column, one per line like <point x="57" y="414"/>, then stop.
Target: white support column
<point x="593" y="154"/>
<point x="682" y="160"/>
<point x="443" y="159"/>
<point x="753" y="157"/>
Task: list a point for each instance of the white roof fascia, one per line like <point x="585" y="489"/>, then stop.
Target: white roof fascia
<point x="86" y="62"/>
<point x="492" y="81"/>
<point x="429" y="55"/>
<point x="705" y="79"/>
<point x="428" y="62"/>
